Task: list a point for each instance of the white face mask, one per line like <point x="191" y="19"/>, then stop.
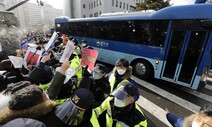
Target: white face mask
<point x="121" y="72"/>
<point x="119" y="103"/>
<point x="83" y="45"/>
<point x="195" y="124"/>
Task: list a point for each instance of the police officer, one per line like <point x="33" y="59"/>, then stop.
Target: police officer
<point x="85" y="44"/>
<point x="77" y="47"/>
<point x="74" y="113"/>
<point x="122" y="72"/>
<point x="99" y="85"/>
<point x="121" y="109"/>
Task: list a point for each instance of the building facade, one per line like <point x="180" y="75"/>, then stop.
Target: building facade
<point x="2" y="5"/>
<point x="32" y="15"/>
<point x="94" y="8"/>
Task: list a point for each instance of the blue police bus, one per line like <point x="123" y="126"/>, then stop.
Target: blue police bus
<point x="172" y="44"/>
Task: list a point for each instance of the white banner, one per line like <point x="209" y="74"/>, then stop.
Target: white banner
<point x="16" y="61"/>
<point x="68" y="51"/>
<point x="51" y="41"/>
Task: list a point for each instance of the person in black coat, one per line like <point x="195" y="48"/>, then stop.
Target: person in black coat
<point x="98" y="84"/>
<point x="29" y="101"/>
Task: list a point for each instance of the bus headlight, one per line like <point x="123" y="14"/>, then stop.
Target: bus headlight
<point x="156" y="62"/>
<point x="58" y="25"/>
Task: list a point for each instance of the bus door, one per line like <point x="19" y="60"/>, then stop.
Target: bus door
<point x="183" y="56"/>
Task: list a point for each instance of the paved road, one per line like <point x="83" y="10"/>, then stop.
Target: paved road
<point x="159" y="95"/>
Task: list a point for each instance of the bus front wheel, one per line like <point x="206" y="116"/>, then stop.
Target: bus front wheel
<point x="142" y="69"/>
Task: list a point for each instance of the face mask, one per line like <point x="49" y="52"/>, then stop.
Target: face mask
<point x="121" y="72"/>
<point x="119" y="103"/>
<point x="195" y="124"/>
<point x="96" y="75"/>
<point x="83" y="45"/>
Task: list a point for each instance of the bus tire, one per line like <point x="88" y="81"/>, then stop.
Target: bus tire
<point x="142" y="69"/>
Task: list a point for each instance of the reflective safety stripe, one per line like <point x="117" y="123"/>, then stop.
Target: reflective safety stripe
<point x="109" y="121"/>
<point x="103" y="107"/>
<point x="94" y="120"/>
<point x="142" y="123"/>
<point x="99" y="110"/>
<point x="112" y="81"/>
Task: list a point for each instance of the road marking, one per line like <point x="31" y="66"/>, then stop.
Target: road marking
<point x="209" y="87"/>
<point x="184" y="103"/>
<point x="156" y="111"/>
<point x="198" y="94"/>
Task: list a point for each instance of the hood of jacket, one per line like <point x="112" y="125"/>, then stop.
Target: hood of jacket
<point x="188" y="120"/>
<point x="127" y="74"/>
<point x="6" y="114"/>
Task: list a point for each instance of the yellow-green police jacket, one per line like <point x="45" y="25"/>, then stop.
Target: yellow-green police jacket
<point x="75" y="64"/>
<point x="138" y="119"/>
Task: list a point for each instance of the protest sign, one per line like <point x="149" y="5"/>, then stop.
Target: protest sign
<point x="16" y="61"/>
<point x="69" y="73"/>
<point x="33" y="56"/>
<point x="68" y="51"/>
<point x="51" y="41"/>
<point x="89" y="57"/>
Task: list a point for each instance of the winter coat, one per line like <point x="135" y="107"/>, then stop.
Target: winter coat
<point x="180" y="122"/>
<point x="6" y="114"/>
<point x="41" y="74"/>
<point x="24" y="122"/>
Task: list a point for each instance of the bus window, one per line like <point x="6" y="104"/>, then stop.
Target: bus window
<point x="140" y="32"/>
<point x="174" y="53"/>
<point x="192" y="54"/>
<point x="151" y="33"/>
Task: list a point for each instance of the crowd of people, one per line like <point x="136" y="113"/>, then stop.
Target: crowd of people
<point x="45" y="95"/>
